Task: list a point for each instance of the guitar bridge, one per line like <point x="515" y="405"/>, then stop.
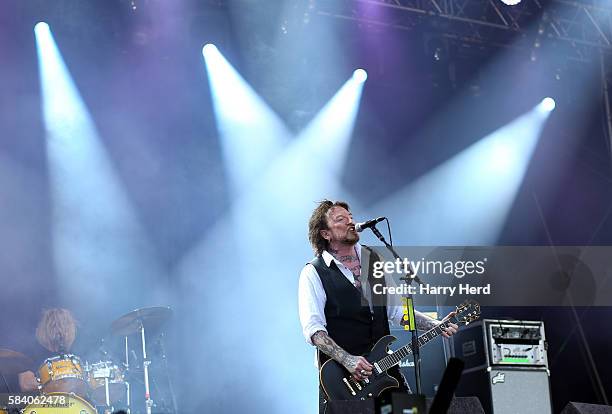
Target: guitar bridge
<point x="349" y="386"/>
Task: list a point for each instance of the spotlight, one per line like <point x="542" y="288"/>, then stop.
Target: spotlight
<point x="360" y="75"/>
<point x="41" y="26"/>
<point x="548" y="104"/>
<point x="208" y="48"/>
<point x="511" y="2"/>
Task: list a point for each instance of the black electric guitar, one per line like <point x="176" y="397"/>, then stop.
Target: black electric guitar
<point x="339" y="384"/>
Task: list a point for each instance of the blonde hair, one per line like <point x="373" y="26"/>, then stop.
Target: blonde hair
<point x="56" y="330"/>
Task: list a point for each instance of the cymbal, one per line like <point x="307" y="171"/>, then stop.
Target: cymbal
<point x="13" y="362"/>
<point x="151" y="318"/>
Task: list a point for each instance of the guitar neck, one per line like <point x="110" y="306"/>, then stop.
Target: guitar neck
<point x="405" y="351"/>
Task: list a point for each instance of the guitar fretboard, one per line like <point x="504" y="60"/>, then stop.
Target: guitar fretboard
<point x="405" y="351"/>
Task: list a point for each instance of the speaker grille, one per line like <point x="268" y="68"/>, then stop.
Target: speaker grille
<point x="519" y="391"/>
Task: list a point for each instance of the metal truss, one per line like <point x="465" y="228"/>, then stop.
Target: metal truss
<point x="585" y="25"/>
<point x="581" y="28"/>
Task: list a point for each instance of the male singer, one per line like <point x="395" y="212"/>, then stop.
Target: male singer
<point x="333" y="316"/>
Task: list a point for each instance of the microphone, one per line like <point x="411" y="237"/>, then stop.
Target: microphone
<point x="359" y="227"/>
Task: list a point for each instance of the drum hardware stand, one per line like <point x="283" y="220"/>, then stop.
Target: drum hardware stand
<point x="134" y="322"/>
<point x="127" y="382"/>
<point x="109" y="408"/>
<point x="8" y="389"/>
<point x="145" y="366"/>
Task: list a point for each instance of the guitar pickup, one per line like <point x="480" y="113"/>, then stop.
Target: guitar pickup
<point x="378" y="370"/>
<point x="349" y="386"/>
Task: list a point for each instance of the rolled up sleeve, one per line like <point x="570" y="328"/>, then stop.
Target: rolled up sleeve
<point x="311" y="302"/>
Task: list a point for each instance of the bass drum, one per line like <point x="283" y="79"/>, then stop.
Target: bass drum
<point x="72" y="404"/>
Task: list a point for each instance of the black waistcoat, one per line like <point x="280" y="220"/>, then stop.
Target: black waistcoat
<point x="350" y="323"/>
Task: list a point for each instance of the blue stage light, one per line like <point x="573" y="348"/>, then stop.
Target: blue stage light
<point x="209" y="47"/>
<point x="106" y="242"/>
<point x="360" y="75"/>
<point x="469" y="196"/>
<point x="548" y="104"/>
<point x="251" y="133"/>
<point x="40" y="27"/>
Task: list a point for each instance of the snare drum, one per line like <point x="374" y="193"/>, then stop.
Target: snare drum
<point x="62" y="373"/>
<point x="97" y="374"/>
<point x="59" y="402"/>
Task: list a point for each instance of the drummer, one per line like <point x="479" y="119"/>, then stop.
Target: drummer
<point x="56" y="332"/>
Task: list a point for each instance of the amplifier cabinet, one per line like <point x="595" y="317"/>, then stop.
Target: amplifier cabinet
<point x="506" y="366"/>
<point x="508" y="390"/>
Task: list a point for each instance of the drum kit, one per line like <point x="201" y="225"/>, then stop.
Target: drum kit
<point x="103" y="384"/>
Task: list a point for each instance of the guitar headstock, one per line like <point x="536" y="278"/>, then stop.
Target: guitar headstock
<point x="467" y="312"/>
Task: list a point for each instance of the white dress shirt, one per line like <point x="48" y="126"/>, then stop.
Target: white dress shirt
<point x="312" y="298"/>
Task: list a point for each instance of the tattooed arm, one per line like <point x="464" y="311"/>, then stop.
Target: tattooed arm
<point x="311" y="304"/>
<point x="358" y="366"/>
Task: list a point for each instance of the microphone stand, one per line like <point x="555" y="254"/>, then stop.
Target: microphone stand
<point x="409" y="277"/>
